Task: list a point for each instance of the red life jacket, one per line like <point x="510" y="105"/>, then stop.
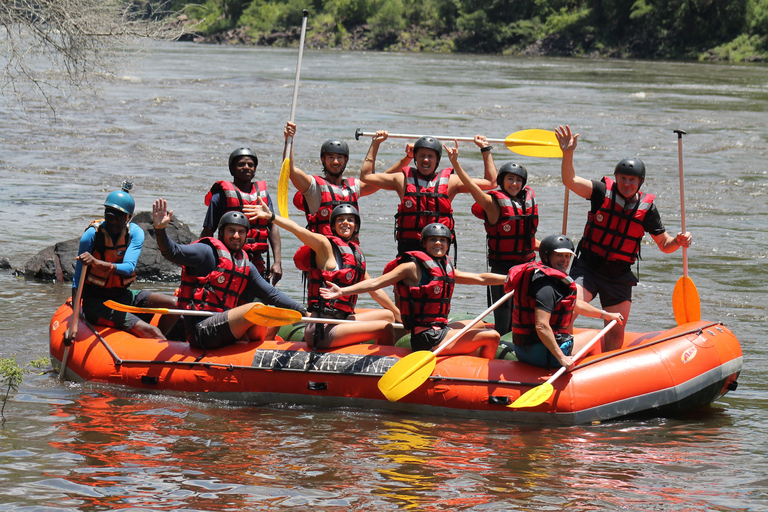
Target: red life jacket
<point x="256" y="239"/>
<point x="425" y="201"/>
<point x="109" y="250"/>
<point x="219" y="290"/>
<point x="351" y="270"/>
<point x="513" y="237"/>
<point x="428" y="304"/>
<point x="524" y="305"/>
<point x="615" y="230"/>
<point x="330" y="197"/>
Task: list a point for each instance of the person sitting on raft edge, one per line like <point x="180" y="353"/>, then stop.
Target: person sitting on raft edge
<point x="545" y="301"/>
<point x="335" y="259"/>
<point x="215" y="273"/>
<point x="424" y="282"/>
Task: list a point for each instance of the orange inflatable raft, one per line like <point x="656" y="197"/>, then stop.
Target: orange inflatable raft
<point x="655" y="373"/>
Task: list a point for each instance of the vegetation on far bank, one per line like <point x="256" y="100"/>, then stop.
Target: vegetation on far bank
<point x="732" y="30"/>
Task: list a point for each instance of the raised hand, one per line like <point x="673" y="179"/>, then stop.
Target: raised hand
<point x="453" y="152"/>
<point x="565" y="138"/>
<point x="161" y="216"/>
<point x="257" y="211"/>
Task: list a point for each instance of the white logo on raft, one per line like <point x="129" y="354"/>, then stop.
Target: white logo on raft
<point x="688" y="355"/>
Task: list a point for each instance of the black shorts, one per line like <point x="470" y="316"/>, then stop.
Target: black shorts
<point x="99" y="314"/>
<point x="612" y="289"/>
<point x="212" y="332"/>
<point x="429" y="339"/>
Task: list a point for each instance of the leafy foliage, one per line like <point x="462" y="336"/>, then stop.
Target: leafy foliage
<point x="12" y="375"/>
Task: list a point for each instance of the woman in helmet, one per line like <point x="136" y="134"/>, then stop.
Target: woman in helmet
<point x="425" y="193"/>
<point x="227" y="196"/>
<point x="511" y="218"/>
<point x="619" y="217"/>
<point x="545" y="301"/>
<point x="336" y="259"/>
<point x="424" y="283"/>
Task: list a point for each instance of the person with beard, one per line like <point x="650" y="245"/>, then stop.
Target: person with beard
<point x="425" y="193"/>
<point x="317" y="196"/>
<point x="511" y="218"/>
<point x="619" y="216"/>
<point x="545" y="301"/>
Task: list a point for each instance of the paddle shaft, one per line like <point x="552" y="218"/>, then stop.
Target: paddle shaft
<point x="359" y="133"/>
<point x="289" y="140"/>
<point x="72" y="331"/>
<point x="680" y="134"/>
<point x="466" y="328"/>
<point x="581" y="352"/>
<point x="565" y="212"/>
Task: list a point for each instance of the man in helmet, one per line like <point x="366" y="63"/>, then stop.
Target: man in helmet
<point x="110" y="248"/>
<point x="545" y="300"/>
<point x="215" y="273"/>
<point x="425" y="192"/>
<point x="336" y="258"/>
<point x="318" y="195"/>
<point x="424" y="283"/>
<point x="226" y="196"/>
<point x="619" y="216"/>
<point x="511" y="218"/>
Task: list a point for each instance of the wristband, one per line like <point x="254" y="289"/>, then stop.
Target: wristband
<point x="272" y="218"/>
<point x="602" y="314"/>
<point x="485" y="149"/>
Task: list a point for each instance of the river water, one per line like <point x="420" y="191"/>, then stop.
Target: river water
<point x="170" y="120"/>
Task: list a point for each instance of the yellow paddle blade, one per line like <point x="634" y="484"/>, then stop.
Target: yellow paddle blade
<point x="537" y="143"/>
<point x="134" y="309"/>
<point x="282" y="188"/>
<point x="685" y="301"/>
<point x="271" y="316"/>
<point x="534" y="397"/>
<point x="408" y="374"/>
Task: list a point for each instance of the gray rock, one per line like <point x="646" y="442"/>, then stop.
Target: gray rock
<point x="57" y="263"/>
<point x="5" y="264"/>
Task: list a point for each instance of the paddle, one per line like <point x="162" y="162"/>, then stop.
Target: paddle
<point x="72" y="331"/>
<point x="685" y="297"/>
<point x="414" y="369"/>
<point x="538" y="143"/>
<point x="565" y="212"/>
<point x="260" y="314"/>
<point x="285" y="170"/>
<point x="540" y="394"/>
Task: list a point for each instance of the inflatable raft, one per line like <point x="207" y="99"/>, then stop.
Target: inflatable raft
<point x="655" y="373"/>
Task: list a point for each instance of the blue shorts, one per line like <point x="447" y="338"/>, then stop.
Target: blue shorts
<point x="536" y="353"/>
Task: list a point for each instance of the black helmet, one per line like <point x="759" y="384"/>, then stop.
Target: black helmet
<point x="238" y="154"/>
<point x="511" y="168"/>
<point x="334" y="146"/>
<point x="554" y="243"/>
<point x="345" y="209"/>
<point x="237" y="218"/>
<point x="429" y="143"/>
<point x="631" y="167"/>
<point x="436" y="229"/>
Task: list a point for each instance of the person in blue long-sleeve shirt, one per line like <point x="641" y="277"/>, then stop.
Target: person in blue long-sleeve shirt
<point x="216" y="272"/>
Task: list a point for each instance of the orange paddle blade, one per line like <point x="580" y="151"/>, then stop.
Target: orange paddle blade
<point x="282" y="188"/>
<point x="271" y="316"/>
<point x="685" y="301"/>
<point x="408" y="374"/>
<point x="535" y="142"/>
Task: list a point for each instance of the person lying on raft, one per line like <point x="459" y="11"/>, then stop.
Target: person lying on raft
<point x="424" y="283"/>
<point x="215" y="272"/>
<point x="335" y="259"/>
<point x="544" y="303"/>
<point x="511" y="218"/>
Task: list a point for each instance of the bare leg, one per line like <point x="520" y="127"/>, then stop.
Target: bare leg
<point x="477" y="342"/>
<point x="144" y="330"/>
<point x="161" y="300"/>
<point x="614" y="339"/>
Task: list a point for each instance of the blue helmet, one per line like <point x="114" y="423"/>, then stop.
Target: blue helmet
<point x="121" y="200"/>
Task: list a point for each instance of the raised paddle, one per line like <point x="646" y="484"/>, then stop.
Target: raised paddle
<point x="565" y="212"/>
<point x="685" y="297"/>
<point x="69" y="337"/>
<point x="541" y="394"/>
<point x="534" y="142"/>
<point x="261" y="314"/>
<point x="285" y="171"/>
<point x="414" y="369"/>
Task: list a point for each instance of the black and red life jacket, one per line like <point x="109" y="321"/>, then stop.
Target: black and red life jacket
<point x="258" y="234"/>
<point x="425" y="201"/>
<point x="330" y="197"/>
<point x="513" y="237"/>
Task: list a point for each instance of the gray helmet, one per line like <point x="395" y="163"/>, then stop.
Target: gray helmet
<point x="429" y="143"/>
<point x="238" y="154"/>
<point x="511" y="168"/>
<point x="345" y="209"/>
<point x="334" y="146"/>
<point x="554" y="243"/>
<point x="436" y="229"/>
<point x="237" y="218"/>
<point x="631" y="167"/>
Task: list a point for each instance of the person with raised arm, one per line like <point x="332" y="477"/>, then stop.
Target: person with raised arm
<point x="619" y="216"/>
